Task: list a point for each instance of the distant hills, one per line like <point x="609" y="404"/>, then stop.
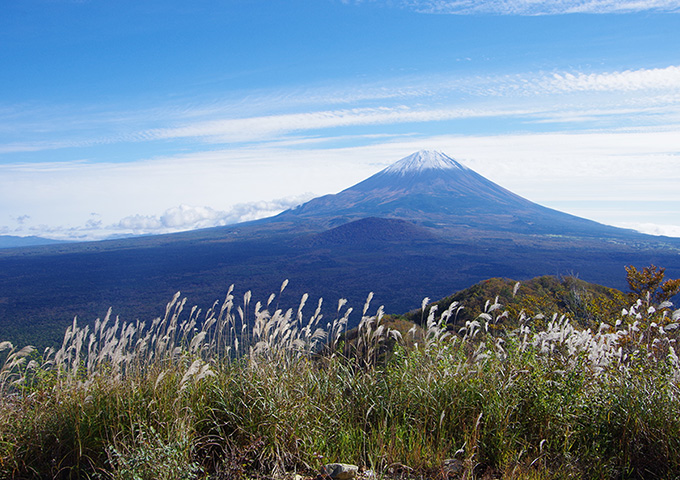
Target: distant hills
<point x="425" y="226"/>
<point x="10" y="241"/>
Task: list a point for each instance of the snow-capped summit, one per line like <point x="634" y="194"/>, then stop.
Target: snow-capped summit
<point x="431" y="189"/>
<point x="425" y="185"/>
<point x="423" y="160"/>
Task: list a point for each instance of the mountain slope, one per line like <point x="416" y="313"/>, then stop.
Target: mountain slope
<point x="370" y="230"/>
<point x="435" y="190"/>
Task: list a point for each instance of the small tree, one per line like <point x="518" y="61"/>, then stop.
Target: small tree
<point x="648" y="284"/>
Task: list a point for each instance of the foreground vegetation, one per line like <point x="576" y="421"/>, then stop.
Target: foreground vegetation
<point x="254" y="390"/>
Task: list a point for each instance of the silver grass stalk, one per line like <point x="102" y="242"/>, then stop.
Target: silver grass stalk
<point x="368" y="302"/>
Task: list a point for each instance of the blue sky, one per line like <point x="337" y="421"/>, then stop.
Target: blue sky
<point x="156" y="116"/>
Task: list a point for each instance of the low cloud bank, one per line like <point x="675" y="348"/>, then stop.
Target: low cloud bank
<point x="187" y="217"/>
<point x="175" y="219"/>
<point x="654" y="229"/>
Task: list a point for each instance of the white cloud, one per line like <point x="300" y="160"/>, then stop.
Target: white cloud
<point x="541" y="7"/>
<point x="625" y="81"/>
<point x="269" y="127"/>
<point x="175" y="219"/>
<point x="188" y="217"/>
<point x="140" y="223"/>
<point x="654" y="229"/>
<point x="537" y="96"/>
<point x="561" y="96"/>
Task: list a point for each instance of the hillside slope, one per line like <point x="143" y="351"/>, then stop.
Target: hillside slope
<point x="587" y="304"/>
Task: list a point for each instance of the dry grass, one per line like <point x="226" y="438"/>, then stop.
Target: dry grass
<point x="248" y="389"/>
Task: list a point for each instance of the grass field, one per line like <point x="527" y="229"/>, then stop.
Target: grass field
<point x="249" y="389"/>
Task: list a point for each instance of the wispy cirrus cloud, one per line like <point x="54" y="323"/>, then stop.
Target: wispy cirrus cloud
<point x="268" y="127"/>
<point x="540" y="97"/>
<point x="643" y="80"/>
<point x="541" y="7"/>
<point x="626" y="81"/>
<point x="532" y="97"/>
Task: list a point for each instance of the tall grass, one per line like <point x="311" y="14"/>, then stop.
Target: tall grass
<point x="244" y="389"/>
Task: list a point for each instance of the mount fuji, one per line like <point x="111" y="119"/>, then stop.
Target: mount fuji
<point x="431" y="189"/>
<point x="425" y="226"/>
